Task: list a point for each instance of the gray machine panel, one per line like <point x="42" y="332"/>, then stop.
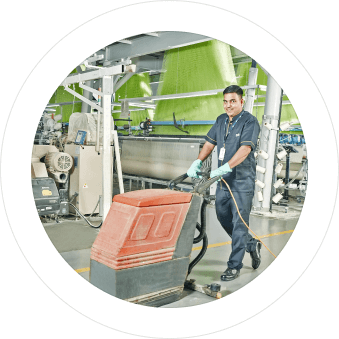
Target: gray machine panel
<point x="85" y="177"/>
<point x="157" y="159"/>
<point x="138" y="281"/>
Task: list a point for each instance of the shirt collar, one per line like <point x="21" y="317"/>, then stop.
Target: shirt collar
<point x="235" y="118"/>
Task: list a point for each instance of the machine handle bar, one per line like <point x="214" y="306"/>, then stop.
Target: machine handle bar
<point x="177" y="180"/>
<point x="204" y="174"/>
<point x="198" y="189"/>
<point x="202" y="187"/>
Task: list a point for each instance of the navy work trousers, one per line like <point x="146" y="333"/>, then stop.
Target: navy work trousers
<point x="229" y="219"/>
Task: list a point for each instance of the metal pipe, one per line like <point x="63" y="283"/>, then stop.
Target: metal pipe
<point x="97" y="142"/>
<point x="117" y="157"/>
<point x="250" y="93"/>
<point x="82" y="98"/>
<point x="260" y="162"/>
<point x="85" y="108"/>
<point x="274" y="177"/>
<point x="189" y="94"/>
<point x="287" y="175"/>
<point x="99" y="73"/>
<point x="100" y="206"/>
<point x="164" y="138"/>
<point x="272" y="108"/>
<point x="107" y="182"/>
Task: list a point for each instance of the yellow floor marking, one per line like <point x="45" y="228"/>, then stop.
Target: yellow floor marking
<point x="80" y="270"/>
<point x="86" y="269"/>
<point x="229" y="242"/>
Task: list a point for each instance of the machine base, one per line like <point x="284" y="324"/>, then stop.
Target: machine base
<point x="158" y="298"/>
<point x="150" y="285"/>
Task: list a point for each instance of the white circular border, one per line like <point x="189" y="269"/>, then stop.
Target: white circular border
<point x="42" y="255"/>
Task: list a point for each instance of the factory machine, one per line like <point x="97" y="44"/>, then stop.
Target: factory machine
<point x="49" y="129"/>
<point x="86" y="177"/>
<point x="142" y="252"/>
<point x="162" y="158"/>
<point x="56" y="175"/>
<point x="73" y="174"/>
<point x="142" y="157"/>
<point x="86" y="174"/>
<point x="50" y="173"/>
<point x="165" y="158"/>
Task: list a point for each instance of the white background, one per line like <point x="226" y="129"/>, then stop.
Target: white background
<point x="36" y="247"/>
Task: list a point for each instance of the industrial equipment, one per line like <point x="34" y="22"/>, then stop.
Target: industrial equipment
<point x="142" y="252"/>
<point x="85" y="177"/>
<point x="162" y="158"/>
<point x="87" y="152"/>
<point x="146" y="126"/>
<point x="86" y="122"/>
<point x="49" y="129"/>
<point x="294" y="168"/>
<point x="50" y="176"/>
<point x="46" y="196"/>
<point x="58" y="164"/>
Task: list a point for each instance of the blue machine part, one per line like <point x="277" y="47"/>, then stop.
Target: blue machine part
<point x="292" y="139"/>
<point x="182" y="123"/>
<point x="80" y="138"/>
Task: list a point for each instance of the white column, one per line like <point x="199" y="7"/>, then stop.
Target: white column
<point x="250" y="93"/>
<point x="260" y="162"/>
<point x="107" y="182"/>
<point x="117" y="158"/>
<point x="272" y="115"/>
<point x="268" y="141"/>
<point x="85" y="108"/>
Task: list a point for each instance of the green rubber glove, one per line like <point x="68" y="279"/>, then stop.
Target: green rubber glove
<point x="221" y="170"/>
<point x="195" y="167"/>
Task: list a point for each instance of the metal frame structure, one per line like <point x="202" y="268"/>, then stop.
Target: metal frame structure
<point x="106" y="75"/>
<point x="108" y="71"/>
<point x="188" y="94"/>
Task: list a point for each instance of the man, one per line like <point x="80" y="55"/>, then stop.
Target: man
<point x="235" y="134"/>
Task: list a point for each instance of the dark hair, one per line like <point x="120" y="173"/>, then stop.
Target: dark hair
<point x="233" y="89"/>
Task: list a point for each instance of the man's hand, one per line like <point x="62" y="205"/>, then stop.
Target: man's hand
<point x="195" y="167"/>
<point x="221" y="170"/>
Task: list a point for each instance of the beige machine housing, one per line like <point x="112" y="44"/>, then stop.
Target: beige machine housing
<point x="38" y="169"/>
<point x="85" y="177"/>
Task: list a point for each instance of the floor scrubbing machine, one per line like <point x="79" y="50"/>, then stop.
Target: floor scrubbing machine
<point x="142" y="252"/>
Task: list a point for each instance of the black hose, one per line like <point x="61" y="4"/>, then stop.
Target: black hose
<point x="203" y="223"/>
<point x="83" y="217"/>
<point x="202" y="236"/>
<point x="201" y="253"/>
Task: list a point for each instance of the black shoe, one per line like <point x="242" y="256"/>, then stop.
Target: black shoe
<point x="255" y="255"/>
<point x="230" y="274"/>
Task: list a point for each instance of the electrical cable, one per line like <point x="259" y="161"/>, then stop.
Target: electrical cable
<point x="95" y="208"/>
<point x="82" y="216"/>
<point x="236" y="205"/>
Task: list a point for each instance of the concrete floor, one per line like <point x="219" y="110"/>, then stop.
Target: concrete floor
<point x="73" y="240"/>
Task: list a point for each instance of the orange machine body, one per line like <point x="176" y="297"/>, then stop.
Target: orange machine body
<point x="142" y="227"/>
<point x="143" y="249"/>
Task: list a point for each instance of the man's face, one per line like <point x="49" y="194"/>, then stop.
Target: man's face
<point x="232" y="104"/>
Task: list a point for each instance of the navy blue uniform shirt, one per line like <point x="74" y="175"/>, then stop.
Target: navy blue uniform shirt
<point x="242" y="130"/>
